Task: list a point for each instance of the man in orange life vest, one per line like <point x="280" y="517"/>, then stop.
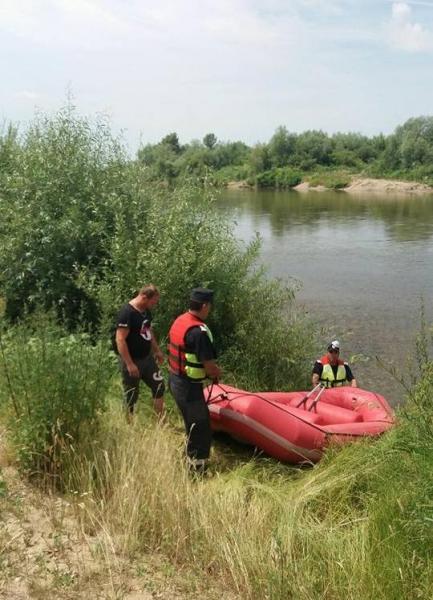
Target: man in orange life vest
<point x="331" y="371"/>
<point x="191" y="360"/>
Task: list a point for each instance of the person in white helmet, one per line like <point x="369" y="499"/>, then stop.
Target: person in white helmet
<point x="331" y="371"/>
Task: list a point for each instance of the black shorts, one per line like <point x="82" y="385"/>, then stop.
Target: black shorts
<point x="149" y="373"/>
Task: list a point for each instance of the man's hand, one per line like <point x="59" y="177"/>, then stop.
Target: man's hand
<point x="133" y="370"/>
<point x="159" y="356"/>
<point x="212" y="370"/>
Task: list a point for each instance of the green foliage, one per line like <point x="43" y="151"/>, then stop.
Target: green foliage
<point x="84" y="229"/>
<point x="9" y="152"/>
<point x="314" y="146"/>
<point x="58" y="209"/>
<point x="280" y="178"/>
<point x="3" y="486"/>
<point x="259" y="159"/>
<point x="179" y="240"/>
<point x="53" y="388"/>
<point x="331" y="178"/>
<point x="407" y="153"/>
<point x="210" y="140"/>
<point x="230" y="173"/>
<point x="281" y="147"/>
<point x="171" y="141"/>
<point x="266" y="179"/>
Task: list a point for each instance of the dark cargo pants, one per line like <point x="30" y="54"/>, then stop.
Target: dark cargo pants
<point x="190" y="400"/>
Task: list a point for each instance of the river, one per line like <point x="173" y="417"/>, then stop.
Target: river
<point x="365" y="264"/>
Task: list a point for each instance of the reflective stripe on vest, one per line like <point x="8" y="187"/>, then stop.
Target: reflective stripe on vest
<point x="182" y="362"/>
<point x="328" y="378"/>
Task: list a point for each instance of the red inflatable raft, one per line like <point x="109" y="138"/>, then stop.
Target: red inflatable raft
<point x="296" y="426"/>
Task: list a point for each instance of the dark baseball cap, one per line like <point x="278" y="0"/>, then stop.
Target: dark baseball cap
<point x="201" y="295"/>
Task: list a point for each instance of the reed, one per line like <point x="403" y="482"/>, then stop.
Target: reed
<point x="355" y="526"/>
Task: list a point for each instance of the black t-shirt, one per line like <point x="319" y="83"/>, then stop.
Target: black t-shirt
<point x="318" y="368"/>
<point x="139" y="337"/>
<point x="197" y="341"/>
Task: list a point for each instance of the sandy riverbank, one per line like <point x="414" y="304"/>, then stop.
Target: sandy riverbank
<point x="359" y="185"/>
<point x="383" y="186"/>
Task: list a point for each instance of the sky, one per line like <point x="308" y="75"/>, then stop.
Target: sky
<point x="237" y="68"/>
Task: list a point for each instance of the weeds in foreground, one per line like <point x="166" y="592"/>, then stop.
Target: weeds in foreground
<point x="355" y="526"/>
<point x="53" y="388"/>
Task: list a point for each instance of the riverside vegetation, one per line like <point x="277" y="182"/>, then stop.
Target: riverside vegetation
<point x="290" y="158"/>
<point x="81" y="226"/>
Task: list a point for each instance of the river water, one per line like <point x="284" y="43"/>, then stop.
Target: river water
<point x="365" y="264"/>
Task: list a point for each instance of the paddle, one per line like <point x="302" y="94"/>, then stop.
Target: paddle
<point x="308" y="395"/>
<point x="316" y="399"/>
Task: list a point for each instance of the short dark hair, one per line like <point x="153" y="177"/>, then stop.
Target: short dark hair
<point x="149" y="290"/>
<point x="196" y="305"/>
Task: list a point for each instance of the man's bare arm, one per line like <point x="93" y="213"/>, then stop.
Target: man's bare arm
<point x="122" y="347"/>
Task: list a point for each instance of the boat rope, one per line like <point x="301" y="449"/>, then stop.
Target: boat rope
<point x="225" y="393"/>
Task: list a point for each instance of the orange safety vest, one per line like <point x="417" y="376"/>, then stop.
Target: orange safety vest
<point x="182" y="362"/>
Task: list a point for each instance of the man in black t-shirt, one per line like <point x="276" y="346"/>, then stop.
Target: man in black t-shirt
<point x="137" y="348"/>
<point x="192" y="358"/>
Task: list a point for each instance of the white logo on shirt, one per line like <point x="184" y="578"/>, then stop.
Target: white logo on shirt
<point x="145" y="331"/>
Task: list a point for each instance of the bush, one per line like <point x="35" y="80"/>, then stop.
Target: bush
<point x="53" y="388"/>
<point x="287" y="177"/>
<point x="180" y="240"/>
<point x="85" y="228"/>
<point x="230" y="173"/>
<point x="58" y="207"/>
<point x="280" y="177"/>
<point x="266" y="179"/>
<point x="332" y="179"/>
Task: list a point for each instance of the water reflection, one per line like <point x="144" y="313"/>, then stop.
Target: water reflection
<point x="365" y="263"/>
<point x="406" y="218"/>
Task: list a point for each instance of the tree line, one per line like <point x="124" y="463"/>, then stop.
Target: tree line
<point x="290" y="157"/>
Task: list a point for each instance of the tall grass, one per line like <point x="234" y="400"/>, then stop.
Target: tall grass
<point x="358" y="525"/>
<point x="53" y="387"/>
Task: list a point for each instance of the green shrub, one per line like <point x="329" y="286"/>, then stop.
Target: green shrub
<point x="230" y="173"/>
<point x="280" y="177"/>
<point x="53" y="389"/>
<point x="84" y="228"/>
<point x="179" y="239"/>
<point x="266" y="179"/>
<point x="332" y="179"/>
<point x="285" y="177"/>
<point x="58" y="207"/>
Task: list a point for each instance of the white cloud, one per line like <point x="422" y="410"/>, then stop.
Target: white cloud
<point x="28" y="95"/>
<point x="406" y="34"/>
<point x="62" y="23"/>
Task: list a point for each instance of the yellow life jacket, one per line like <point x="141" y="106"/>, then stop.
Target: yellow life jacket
<point x="328" y="378"/>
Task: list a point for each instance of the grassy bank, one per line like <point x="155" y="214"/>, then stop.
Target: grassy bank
<point x="358" y="525"/>
<point x="82" y="227"/>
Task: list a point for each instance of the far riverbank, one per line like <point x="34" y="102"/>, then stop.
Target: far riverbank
<point x="361" y="185"/>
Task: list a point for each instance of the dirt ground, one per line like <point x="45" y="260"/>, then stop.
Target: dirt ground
<point x="45" y="554"/>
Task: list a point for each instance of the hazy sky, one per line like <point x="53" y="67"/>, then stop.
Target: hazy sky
<point x="238" y="68"/>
